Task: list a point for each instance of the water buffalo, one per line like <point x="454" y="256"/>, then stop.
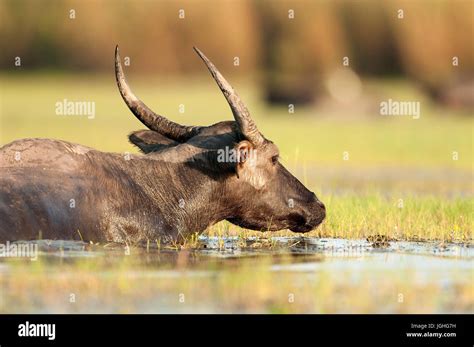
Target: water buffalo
<point x="187" y="179"/>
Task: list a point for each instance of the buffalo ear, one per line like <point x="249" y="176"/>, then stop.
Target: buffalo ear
<point x="246" y="164"/>
<point x="243" y="151"/>
<point x="150" y="141"/>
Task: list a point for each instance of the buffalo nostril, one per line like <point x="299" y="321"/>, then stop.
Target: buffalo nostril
<point x="321" y="205"/>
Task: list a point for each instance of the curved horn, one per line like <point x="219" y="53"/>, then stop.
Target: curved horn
<point x="152" y="120"/>
<point x="241" y="113"/>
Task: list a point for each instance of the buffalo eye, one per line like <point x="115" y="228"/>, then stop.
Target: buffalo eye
<point x="275" y="159"/>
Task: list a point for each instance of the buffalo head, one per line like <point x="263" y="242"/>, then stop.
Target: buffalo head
<point x="256" y="189"/>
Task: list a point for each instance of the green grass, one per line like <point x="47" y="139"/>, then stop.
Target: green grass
<point x="421" y="218"/>
<point x="310" y="142"/>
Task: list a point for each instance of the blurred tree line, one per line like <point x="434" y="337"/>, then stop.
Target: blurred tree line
<point x="290" y="42"/>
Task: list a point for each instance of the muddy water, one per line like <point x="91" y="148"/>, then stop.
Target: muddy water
<point x="217" y="272"/>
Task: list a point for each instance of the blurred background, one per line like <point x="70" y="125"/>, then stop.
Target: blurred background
<point x="292" y="45"/>
<point x="313" y="74"/>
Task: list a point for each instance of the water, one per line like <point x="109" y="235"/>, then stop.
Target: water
<point x="242" y="275"/>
